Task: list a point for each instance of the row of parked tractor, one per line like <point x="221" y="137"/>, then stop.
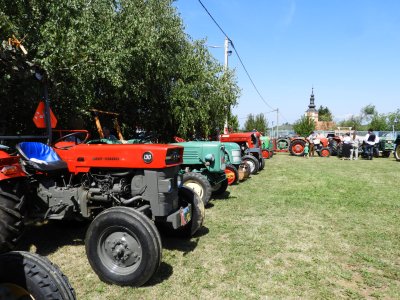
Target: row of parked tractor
<point x="129" y="192"/>
<point x="331" y="145"/>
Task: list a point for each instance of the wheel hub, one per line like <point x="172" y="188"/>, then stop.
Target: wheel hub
<point x="122" y="249"/>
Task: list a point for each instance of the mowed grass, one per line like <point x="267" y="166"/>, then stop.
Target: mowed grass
<point x="301" y="228"/>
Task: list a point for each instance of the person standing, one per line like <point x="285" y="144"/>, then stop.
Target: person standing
<point x="370" y="140"/>
<point x="306" y="151"/>
<point x="356" y="145"/>
<point x="347" y="146"/>
<point x="311" y="138"/>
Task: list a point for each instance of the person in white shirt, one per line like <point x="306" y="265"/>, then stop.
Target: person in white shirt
<point x="347" y="146"/>
<point x="370" y="140"/>
<point x="357" y="141"/>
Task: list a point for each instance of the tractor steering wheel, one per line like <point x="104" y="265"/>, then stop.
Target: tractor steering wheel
<point x="73" y="142"/>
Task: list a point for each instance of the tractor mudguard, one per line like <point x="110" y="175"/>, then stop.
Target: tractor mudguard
<point x="10" y="167"/>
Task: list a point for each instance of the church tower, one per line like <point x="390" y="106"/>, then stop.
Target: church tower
<point x="311" y="111"/>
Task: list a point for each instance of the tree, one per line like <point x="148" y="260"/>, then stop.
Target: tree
<point x="324" y="114"/>
<point x="131" y="57"/>
<point x="304" y="126"/>
<point x="354" y="122"/>
<point x="257" y="122"/>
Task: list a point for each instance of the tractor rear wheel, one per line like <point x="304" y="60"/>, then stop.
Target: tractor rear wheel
<point x="123" y="246"/>
<point x="386" y="154"/>
<point x="324" y="152"/>
<point x="199" y="184"/>
<point x="187" y="196"/>
<point x="252" y="162"/>
<point x="220" y="188"/>
<point x="232" y="174"/>
<point x="262" y="163"/>
<point x="296" y="147"/>
<point x="397" y="152"/>
<point x="12" y="203"/>
<point x="30" y="276"/>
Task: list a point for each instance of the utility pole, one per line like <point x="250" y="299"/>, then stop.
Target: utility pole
<point x="277" y="123"/>
<point x="227" y="53"/>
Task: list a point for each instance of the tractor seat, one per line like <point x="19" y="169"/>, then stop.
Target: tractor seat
<point x="41" y="157"/>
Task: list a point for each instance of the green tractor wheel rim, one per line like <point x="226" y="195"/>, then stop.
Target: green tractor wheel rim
<point x="119" y="250"/>
<point x="195" y="186"/>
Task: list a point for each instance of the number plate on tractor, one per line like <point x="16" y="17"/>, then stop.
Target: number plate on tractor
<point x="186" y="215"/>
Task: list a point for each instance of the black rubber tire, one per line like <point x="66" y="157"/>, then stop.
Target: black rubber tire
<point x="386" y="154"/>
<point x="283" y="141"/>
<point x="234" y="172"/>
<point x="187" y="196"/>
<point x="220" y="188"/>
<point x="271" y="154"/>
<point x="32" y="276"/>
<point x="252" y="162"/>
<point x="140" y="233"/>
<point x="262" y="163"/>
<point x="293" y="144"/>
<point x="397" y="152"/>
<point x="334" y="147"/>
<point x="12" y="203"/>
<point x="199" y="184"/>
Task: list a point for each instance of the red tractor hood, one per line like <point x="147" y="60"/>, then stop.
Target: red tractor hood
<point x="81" y="158"/>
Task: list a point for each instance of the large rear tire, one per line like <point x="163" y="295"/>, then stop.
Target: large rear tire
<point x="27" y="275"/>
<point x="187" y="196"/>
<point x="12" y="202"/>
<point x="232" y="174"/>
<point x="252" y="162"/>
<point x="262" y="163"/>
<point x="397" y="152"/>
<point x="123" y="246"/>
<point x="296" y="147"/>
<point x="199" y="184"/>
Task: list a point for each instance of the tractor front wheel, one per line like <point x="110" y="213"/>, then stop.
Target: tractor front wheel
<point x="199" y="184"/>
<point x="324" y="152"/>
<point x="252" y="162"/>
<point x="266" y="154"/>
<point x="296" y="147"/>
<point x="262" y="163"/>
<point x="29" y="276"/>
<point x="232" y="174"/>
<point x="12" y="203"/>
<point x="123" y="246"/>
<point x="220" y="188"/>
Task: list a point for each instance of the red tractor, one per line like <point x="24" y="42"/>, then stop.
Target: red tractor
<point x="321" y="146"/>
<point x="250" y="146"/>
<point x="127" y="191"/>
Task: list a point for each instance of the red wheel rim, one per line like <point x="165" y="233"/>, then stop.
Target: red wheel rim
<point x="324" y="153"/>
<point x="265" y="154"/>
<point x="298" y="148"/>
<point x="230" y="175"/>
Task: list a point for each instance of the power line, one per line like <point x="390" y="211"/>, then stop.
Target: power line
<point x="237" y="53"/>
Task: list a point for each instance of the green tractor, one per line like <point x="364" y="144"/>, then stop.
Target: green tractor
<point x="267" y="147"/>
<point x="386" y="144"/>
<point x="203" y="168"/>
<point x="236" y="170"/>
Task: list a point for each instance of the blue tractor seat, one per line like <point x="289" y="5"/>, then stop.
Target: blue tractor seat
<point x="41" y="157"/>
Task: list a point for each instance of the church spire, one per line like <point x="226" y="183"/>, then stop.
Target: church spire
<point x="311" y="106"/>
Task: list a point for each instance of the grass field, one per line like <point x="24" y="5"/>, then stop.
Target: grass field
<point x="301" y="228"/>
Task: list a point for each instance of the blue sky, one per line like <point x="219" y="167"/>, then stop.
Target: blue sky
<point x="349" y="50"/>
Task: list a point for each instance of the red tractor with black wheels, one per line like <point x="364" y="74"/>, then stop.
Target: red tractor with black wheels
<point x="321" y="146"/>
<point x="127" y="191"/>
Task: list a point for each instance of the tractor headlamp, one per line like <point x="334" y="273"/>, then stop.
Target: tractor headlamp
<point x="9" y="170"/>
<point x="209" y="157"/>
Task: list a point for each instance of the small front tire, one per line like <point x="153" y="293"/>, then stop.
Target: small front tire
<point x="252" y="162"/>
<point x="123" y="246"/>
<point x="199" y="184"/>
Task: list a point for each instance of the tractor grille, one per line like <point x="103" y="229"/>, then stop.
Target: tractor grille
<point x="191" y="155"/>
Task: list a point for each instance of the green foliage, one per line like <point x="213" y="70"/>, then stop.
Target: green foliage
<point x="130" y="57"/>
<point x="354" y="122"/>
<point x="324" y="114"/>
<point x="304" y="126"/>
<point x="234" y="123"/>
<point x="258" y="122"/>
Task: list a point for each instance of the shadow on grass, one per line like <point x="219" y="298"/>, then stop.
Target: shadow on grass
<point x="163" y="273"/>
<point x="184" y="245"/>
<point x="47" y="238"/>
<point x="225" y="196"/>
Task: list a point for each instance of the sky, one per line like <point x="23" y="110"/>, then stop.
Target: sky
<point x="348" y="50"/>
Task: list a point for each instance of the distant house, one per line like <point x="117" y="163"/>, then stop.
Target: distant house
<point x="313" y="114"/>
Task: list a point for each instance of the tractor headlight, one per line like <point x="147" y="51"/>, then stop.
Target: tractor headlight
<point x="209" y="158"/>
